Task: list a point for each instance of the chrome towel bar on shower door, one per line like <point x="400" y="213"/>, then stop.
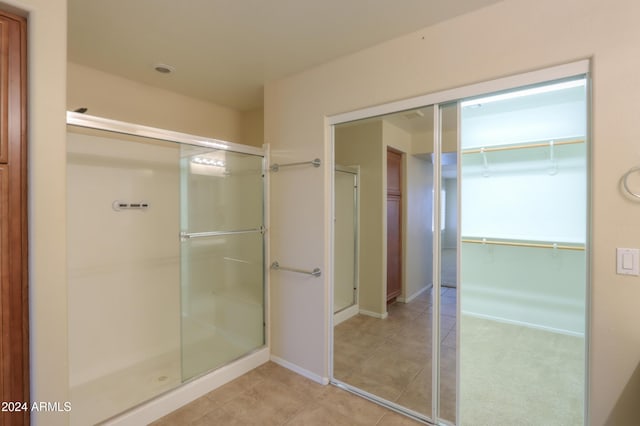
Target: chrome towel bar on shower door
<point x="189" y="235"/>
<point x="316" y="271"/>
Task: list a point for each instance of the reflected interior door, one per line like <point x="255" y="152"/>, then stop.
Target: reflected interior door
<point x="222" y="258"/>
<point x="394" y="225"/>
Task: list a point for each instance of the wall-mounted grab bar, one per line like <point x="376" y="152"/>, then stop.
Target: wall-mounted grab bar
<point x="316" y="271"/>
<point x="188" y="235"/>
<point x="275" y="167"/>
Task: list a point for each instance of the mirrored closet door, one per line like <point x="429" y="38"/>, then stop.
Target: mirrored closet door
<point x="384" y="346"/>
<point x="467" y="289"/>
<point x="523" y="262"/>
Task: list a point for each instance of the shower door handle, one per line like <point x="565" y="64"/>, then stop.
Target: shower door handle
<point x="184" y="236"/>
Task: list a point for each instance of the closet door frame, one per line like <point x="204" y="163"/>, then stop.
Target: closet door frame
<point x="582" y="67"/>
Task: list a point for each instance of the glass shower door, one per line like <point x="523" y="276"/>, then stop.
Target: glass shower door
<point x="222" y="261"/>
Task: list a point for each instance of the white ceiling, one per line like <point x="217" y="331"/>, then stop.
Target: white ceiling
<point x="224" y="51"/>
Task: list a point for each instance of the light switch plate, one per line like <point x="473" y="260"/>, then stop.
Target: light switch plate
<point x="628" y="261"/>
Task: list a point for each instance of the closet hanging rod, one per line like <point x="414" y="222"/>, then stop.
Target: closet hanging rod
<point x="188" y="235"/>
<point x="516" y="244"/>
<point x="316" y="271"/>
<point x="275" y="167"/>
<point x="527" y="146"/>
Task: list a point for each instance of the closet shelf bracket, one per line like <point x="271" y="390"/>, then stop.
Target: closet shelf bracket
<point x="485" y="162"/>
<point x="553" y="169"/>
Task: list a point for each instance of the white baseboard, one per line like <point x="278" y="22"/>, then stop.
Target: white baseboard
<point x="374" y="314"/>
<point x="190" y="391"/>
<point x="302" y="371"/>
<point x="345" y="314"/>
<point x="414" y="295"/>
<point x="523" y="324"/>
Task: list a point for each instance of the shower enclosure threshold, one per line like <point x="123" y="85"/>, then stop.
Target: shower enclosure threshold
<point x="172" y="400"/>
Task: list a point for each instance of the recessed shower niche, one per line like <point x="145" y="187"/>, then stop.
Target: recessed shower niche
<point x="490" y="326"/>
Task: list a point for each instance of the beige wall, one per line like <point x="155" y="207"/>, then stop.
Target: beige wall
<point x="365" y="144"/>
<point x="47" y="44"/>
<point x="252" y="127"/>
<point x="110" y="96"/>
<point x="418" y="248"/>
<point x="422" y="142"/>
<point x="510" y="37"/>
<point x="361" y="145"/>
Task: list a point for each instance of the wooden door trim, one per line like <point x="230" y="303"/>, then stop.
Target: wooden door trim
<point x="14" y="297"/>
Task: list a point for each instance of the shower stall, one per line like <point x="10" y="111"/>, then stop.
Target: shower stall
<point x="166" y="255"/>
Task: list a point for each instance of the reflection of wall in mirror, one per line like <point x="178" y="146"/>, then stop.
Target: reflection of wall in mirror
<point x="360" y="144"/>
<point x="365" y="144"/>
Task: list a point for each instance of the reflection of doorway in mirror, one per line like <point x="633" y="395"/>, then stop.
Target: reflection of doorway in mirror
<point x="345" y="290"/>
<point x="385" y="349"/>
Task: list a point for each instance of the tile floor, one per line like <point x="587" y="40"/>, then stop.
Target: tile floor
<point x="273" y="395"/>
<point x="391" y="358"/>
<point x="530" y="372"/>
<point x="509" y="373"/>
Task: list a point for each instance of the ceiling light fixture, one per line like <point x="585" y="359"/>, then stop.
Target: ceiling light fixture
<point x="526" y="92"/>
<point x="208" y="162"/>
<point x="164" y="68"/>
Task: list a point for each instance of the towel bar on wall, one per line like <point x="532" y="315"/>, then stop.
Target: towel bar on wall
<point x="275" y="167"/>
<point x="625" y="183"/>
<point x="316" y="271"/>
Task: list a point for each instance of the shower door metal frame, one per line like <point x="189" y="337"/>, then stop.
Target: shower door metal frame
<point x="125" y="128"/>
<point x="99" y="123"/>
<point x="582" y="67"/>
